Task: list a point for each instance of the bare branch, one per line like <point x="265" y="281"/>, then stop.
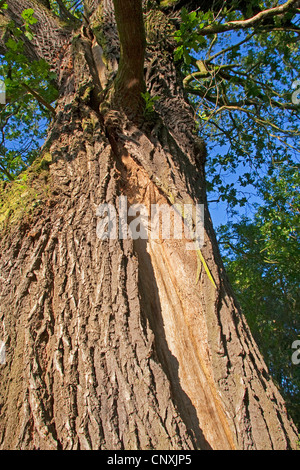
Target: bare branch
<point x="230" y="48"/>
<point x="249" y="22"/>
<point x="258" y="120"/>
<point x="40" y="99"/>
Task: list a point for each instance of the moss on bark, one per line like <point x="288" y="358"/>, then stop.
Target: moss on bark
<point x="19" y="199"/>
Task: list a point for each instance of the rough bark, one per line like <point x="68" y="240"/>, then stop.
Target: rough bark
<point x="44" y="45"/>
<point x="110" y="344"/>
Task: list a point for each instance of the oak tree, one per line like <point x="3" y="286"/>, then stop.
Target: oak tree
<point x="118" y="343"/>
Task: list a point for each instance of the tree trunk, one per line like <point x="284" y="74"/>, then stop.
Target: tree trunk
<point x="111" y="344"/>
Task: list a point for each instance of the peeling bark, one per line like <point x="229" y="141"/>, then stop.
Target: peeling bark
<point x="110" y="344"/>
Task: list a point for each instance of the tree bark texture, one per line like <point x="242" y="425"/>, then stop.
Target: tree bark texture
<point x="111" y="344"/>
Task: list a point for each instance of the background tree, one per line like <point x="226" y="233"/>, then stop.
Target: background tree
<point x="113" y="343"/>
<point x="261" y="257"/>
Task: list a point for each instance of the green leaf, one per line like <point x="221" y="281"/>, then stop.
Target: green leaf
<point x="12" y="44"/>
<point x="29" y="35"/>
<point x="28" y="17"/>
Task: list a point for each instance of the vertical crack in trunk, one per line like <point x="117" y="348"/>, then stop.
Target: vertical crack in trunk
<point x="171" y="304"/>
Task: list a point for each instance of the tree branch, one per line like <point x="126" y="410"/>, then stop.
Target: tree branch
<point x="203" y="5"/>
<point x="129" y="83"/>
<point x="230" y="48"/>
<point x="249" y="22"/>
<point x="206" y="71"/>
<point x="40" y="99"/>
<point x="258" y="120"/>
<point x="211" y="69"/>
<point x="8" y="175"/>
<point x="66" y="14"/>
